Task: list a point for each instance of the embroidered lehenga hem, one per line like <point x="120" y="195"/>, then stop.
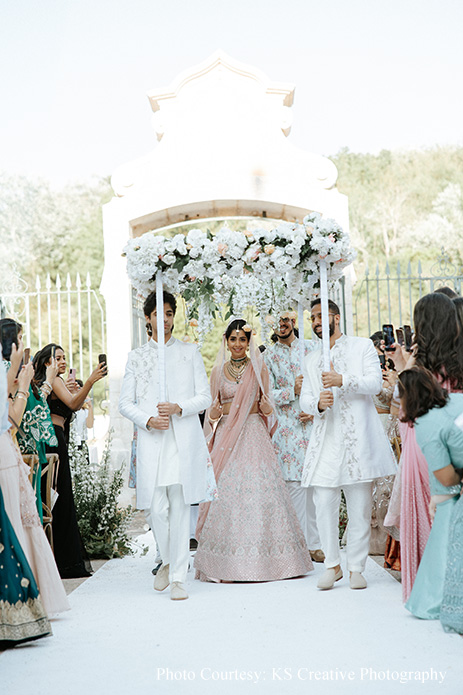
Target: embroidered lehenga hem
<point x="22" y="622"/>
<point x="251" y="532"/>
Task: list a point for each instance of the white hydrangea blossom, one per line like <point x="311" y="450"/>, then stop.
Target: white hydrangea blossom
<point x="270" y="269"/>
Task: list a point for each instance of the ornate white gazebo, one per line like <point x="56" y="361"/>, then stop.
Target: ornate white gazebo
<point x="223" y="151"/>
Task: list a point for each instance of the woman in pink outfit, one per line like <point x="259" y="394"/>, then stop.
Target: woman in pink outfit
<point x="19" y="496"/>
<point x="251" y="532"/>
<point x="439" y="348"/>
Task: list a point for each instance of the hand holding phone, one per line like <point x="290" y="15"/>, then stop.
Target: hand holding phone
<point x="388" y="337"/>
<point x="9" y="335"/>
<point x="102" y="360"/>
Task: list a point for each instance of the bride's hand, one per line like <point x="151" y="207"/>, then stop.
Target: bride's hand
<point x="265" y="405"/>
<point x="216" y="410"/>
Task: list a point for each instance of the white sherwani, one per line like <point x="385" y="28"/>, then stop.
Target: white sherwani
<point x="187" y="385"/>
<point x="351" y="427"/>
<point x="347" y="448"/>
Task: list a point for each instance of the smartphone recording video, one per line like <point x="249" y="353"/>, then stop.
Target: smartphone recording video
<point x="9" y="335"/>
<point x="388" y="336"/>
<point x="400" y="336"/>
<point x="408" y="338"/>
<point x="102" y="360"/>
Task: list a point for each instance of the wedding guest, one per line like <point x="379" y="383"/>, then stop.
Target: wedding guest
<point x="251" y="531"/>
<point x="22" y="616"/>
<point x="37" y="431"/>
<point x="19" y="498"/>
<point x="439" y="348"/>
<point x="292" y="434"/>
<point x="434" y="414"/>
<point x="381" y="542"/>
<point x="70" y="553"/>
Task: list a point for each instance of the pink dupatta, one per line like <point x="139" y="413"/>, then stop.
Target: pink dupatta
<point x="222" y="441"/>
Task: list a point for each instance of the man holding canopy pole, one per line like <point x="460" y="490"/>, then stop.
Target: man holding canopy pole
<point x="164" y="388"/>
<point x="348" y="447"/>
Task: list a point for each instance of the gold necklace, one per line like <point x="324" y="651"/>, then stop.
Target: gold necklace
<point x="237" y="372"/>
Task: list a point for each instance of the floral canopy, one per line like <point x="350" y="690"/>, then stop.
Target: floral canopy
<point x="270" y="270"/>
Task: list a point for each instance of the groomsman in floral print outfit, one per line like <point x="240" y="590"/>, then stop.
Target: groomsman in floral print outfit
<point x="292" y="435"/>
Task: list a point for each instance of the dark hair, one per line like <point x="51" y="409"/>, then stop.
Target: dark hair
<point x="331" y="306"/>
<point x="458" y="302"/>
<point x="237" y="325"/>
<point x="40" y="363"/>
<point x="420" y="391"/>
<point x="150" y="302"/>
<point x="438" y="337"/>
<point x="4" y="323"/>
<point x="447" y="291"/>
<point x="80" y="382"/>
<point x="11" y="322"/>
<point x="376" y="338"/>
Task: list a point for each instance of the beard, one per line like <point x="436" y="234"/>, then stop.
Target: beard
<point x="287" y="334"/>
<point x="332" y="325"/>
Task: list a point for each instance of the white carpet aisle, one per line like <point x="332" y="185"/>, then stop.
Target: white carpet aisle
<point x="282" y="637"/>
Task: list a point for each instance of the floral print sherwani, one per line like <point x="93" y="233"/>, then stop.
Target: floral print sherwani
<point x="291" y="437"/>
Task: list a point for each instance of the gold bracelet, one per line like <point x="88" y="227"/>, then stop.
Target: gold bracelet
<point x="20" y="396"/>
<point x="214" y="419"/>
<point x="23" y="392"/>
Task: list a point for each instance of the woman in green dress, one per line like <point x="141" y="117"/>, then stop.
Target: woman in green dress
<point x="22" y="616"/>
<point x="37" y="429"/>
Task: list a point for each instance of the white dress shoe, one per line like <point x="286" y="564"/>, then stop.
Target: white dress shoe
<point x="327" y="579"/>
<point x="161" y="580"/>
<point x="357" y="581"/>
<point x="178" y="592"/>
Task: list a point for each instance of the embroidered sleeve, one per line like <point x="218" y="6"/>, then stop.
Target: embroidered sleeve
<point x="370" y="381"/>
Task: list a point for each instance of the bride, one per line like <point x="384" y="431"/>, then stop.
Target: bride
<point x="251" y="532"/>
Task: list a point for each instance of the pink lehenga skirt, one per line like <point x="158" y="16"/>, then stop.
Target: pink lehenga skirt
<point x="21" y="508"/>
<point x="251" y="532"/>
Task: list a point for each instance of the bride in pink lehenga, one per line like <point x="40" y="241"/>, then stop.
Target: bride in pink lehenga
<point x="439" y="348"/>
<point x="251" y="532"/>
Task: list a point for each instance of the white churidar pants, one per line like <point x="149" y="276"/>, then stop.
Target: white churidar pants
<point x="302" y="499"/>
<point x="170" y="518"/>
<point x="358" y="500"/>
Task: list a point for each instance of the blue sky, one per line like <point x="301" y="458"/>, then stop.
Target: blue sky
<point x="369" y="74"/>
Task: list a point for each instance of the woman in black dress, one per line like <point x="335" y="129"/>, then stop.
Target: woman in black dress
<point x="70" y="554"/>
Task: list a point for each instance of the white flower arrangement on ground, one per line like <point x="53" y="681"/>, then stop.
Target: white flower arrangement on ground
<point x="269" y="269"/>
<point x="103" y="523"/>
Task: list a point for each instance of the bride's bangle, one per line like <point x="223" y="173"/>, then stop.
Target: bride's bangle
<point x="214" y="419"/>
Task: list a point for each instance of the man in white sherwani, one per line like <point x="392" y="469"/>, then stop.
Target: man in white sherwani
<point x="172" y="455"/>
<point x="348" y="448"/>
